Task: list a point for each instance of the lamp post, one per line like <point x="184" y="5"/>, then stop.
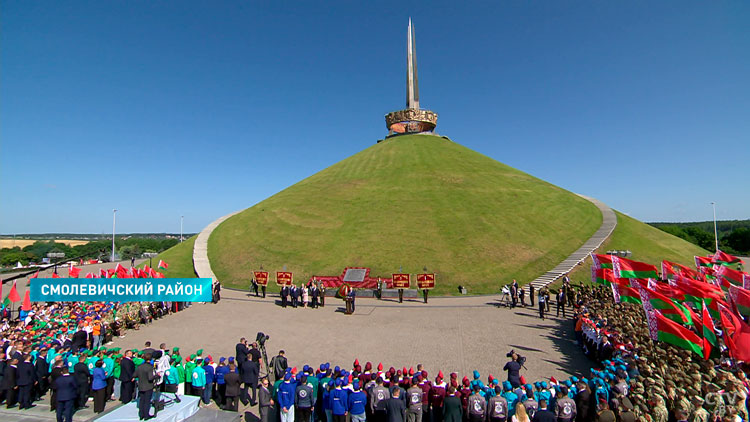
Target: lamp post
<point x="181" y="218"/>
<point x="114" y="217"/>
<point x="716" y="233"/>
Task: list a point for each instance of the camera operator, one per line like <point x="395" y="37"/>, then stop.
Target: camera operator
<point x="514" y="367"/>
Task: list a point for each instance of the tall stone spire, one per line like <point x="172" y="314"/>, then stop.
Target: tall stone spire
<point x="412" y="119"/>
<point x="412" y="84"/>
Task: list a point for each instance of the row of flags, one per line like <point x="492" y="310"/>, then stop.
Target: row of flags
<point x="681" y="307"/>
<point x="118" y="272"/>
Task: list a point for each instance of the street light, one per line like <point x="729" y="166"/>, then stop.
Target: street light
<point x="181" y="218"/>
<point x="114" y="217"/>
<point x="716" y="233"/>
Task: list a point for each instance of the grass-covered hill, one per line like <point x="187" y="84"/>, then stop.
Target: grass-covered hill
<point x="412" y="202"/>
<point x="180" y="259"/>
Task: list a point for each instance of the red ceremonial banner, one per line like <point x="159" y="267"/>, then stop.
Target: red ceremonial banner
<point x="261" y="277"/>
<point x="401" y="281"/>
<point x="425" y="281"/>
<point x="283" y="278"/>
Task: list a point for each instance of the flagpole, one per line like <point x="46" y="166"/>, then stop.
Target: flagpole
<point x="181" y="218"/>
<point x="114" y="217"/>
<point x="716" y="236"/>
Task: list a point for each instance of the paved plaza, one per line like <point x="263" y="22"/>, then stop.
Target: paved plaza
<point x="452" y="334"/>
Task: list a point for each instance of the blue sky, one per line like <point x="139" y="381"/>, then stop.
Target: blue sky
<point x="168" y="108"/>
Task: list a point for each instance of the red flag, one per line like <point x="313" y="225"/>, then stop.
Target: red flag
<point x="163" y="265"/>
<point x="36" y="274"/>
<point x="103" y="273"/>
<point x="736" y="335"/>
<point x="73" y="272"/>
<point x="602" y="261"/>
<point x="627" y="268"/>
<point x="722" y="258"/>
<point x="703" y="261"/>
<point x="13" y="295"/>
<point x="709" y="333"/>
<point x="26" y="306"/>
<point x="54" y="275"/>
<point x="89" y="275"/>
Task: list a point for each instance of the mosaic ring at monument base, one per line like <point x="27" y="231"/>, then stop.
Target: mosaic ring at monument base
<point x="425" y="118"/>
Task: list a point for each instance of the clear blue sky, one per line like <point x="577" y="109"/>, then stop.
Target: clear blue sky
<point x="171" y="108"/>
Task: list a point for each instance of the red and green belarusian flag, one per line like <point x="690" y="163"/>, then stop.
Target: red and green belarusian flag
<point x="741" y="299"/>
<point x="602" y="276"/>
<point x="722" y="258"/>
<point x="624" y="292"/>
<point x="670" y="308"/>
<point x="602" y="261"/>
<point x="696" y="292"/>
<point x="709" y="333"/>
<point x="727" y="276"/>
<point x="663" y="329"/>
<point x="627" y="268"/>
<point x="703" y="261"/>
<point x="673" y="268"/>
<point x="163" y="265"/>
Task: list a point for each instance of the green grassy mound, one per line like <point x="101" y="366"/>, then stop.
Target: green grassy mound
<point x="180" y="260"/>
<point x="647" y="243"/>
<point x="413" y="202"/>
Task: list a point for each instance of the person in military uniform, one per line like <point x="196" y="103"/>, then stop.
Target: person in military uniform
<point x="699" y="414"/>
<point x="660" y="412"/>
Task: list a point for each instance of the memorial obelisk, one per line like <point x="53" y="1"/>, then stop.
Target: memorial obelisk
<point x="413" y="119"/>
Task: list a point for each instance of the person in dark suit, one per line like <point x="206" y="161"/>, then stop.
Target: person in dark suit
<point x="294" y="293"/>
<point x="41" y="369"/>
<point x="584" y="403"/>
<point x="9" y="386"/>
<point x="232" y="382"/>
<point x="395" y="407"/>
<point x="241" y="352"/>
<point x="265" y="401"/>
<point x="79" y="340"/>
<point x="146" y="376"/>
<point x="279" y="365"/>
<point x="83" y="377"/>
<point x="284" y="293"/>
<point x="66" y="389"/>
<point x="25" y="381"/>
<point x="127" y="377"/>
<point x="452" y="408"/>
<point x="53" y="376"/>
<point x="249" y="375"/>
<point x="544" y="414"/>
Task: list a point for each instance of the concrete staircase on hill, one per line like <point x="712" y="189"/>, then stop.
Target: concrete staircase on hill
<point x="201" y="264"/>
<point x="609" y="222"/>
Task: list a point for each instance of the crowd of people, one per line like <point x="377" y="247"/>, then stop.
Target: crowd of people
<point x="306" y="295"/>
<point x="40" y="344"/>
<point x="654" y="381"/>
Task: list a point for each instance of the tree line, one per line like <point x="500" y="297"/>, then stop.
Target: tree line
<point x="126" y="248"/>
<point x="734" y="235"/>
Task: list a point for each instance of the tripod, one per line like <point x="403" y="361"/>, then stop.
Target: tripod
<point x="265" y="360"/>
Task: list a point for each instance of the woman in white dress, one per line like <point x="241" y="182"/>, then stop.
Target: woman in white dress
<point x="305" y="296"/>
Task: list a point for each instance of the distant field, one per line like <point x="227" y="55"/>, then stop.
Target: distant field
<point x="22" y="243"/>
